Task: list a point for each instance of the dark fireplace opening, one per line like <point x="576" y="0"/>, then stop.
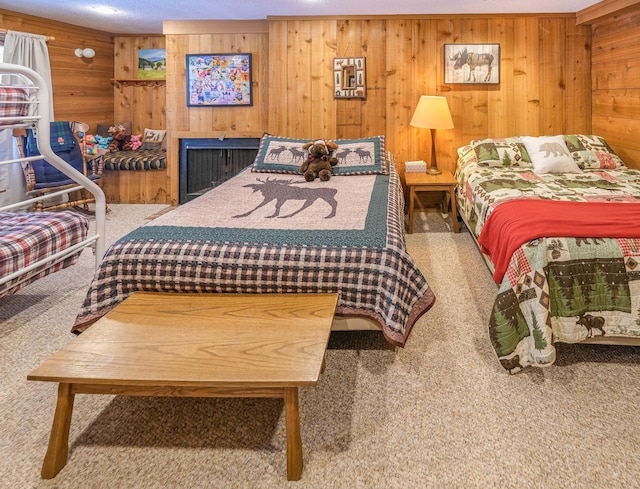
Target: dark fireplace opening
<point x="206" y="163"/>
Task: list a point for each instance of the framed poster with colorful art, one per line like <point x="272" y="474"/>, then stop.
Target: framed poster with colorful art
<point x="216" y="80"/>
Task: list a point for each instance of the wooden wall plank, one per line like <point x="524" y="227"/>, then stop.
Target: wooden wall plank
<point x="374" y="49"/>
<point x="277" y="73"/>
<point x="552" y="76"/>
<point x="349" y="117"/>
<point x="323" y="49"/>
<point x="526" y="79"/>
<point x="615" y="72"/>
<point x="401" y="100"/>
<point x="577" y="77"/>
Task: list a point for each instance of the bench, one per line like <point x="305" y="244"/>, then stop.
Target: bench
<point x="136" y="177"/>
<point x="238" y="345"/>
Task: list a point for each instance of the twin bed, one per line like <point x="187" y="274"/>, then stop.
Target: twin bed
<point x="267" y="230"/>
<point x="560" y="229"/>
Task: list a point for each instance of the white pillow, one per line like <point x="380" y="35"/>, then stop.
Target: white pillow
<point x="549" y="154"/>
<point x="153" y="135"/>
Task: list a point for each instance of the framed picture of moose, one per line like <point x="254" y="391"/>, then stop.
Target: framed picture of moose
<point x="472" y="63"/>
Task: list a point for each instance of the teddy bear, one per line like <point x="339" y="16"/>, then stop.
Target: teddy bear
<point x="319" y="162"/>
<point x="120" y="140"/>
<point x="136" y="141"/>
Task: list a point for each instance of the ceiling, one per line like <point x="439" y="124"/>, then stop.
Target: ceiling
<point x="146" y="16"/>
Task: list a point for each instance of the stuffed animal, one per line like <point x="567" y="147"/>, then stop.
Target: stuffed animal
<point x="95" y="144"/>
<point x="319" y="162"/>
<point x="135" y="141"/>
<point x="102" y="143"/>
<point x="121" y="141"/>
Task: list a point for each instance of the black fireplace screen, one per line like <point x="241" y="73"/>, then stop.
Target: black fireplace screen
<point x="206" y="163"/>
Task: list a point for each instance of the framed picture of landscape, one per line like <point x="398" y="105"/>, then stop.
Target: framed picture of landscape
<point x="152" y="64"/>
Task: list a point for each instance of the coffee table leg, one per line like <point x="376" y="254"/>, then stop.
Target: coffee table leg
<point x="294" y="440"/>
<point x="58" y="450"/>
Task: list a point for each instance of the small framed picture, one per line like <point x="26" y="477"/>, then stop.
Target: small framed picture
<point x="349" y="78"/>
<point x="215" y="80"/>
<point x="472" y="63"/>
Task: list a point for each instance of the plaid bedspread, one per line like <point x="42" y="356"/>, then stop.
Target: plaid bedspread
<point x="13" y="103"/>
<point x="26" y="238"/>
<point x="562" y="288"/>
<point x="260" y="233"/>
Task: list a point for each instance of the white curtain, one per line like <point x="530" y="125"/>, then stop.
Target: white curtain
<point x="28" y="50"/>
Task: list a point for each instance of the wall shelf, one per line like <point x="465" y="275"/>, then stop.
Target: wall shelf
<point x="150" y="82"/>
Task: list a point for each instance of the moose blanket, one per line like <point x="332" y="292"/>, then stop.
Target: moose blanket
<point x="554" y="286"/>
<point x="266" y="233"/>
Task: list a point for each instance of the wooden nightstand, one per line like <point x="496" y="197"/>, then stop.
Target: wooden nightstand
<point x="423" y="182"/>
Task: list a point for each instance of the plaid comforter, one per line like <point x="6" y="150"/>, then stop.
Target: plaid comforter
<point x="260" y="233"/>
<point x="26" y="238"/>
<point x="557" y="288"/>
<point x="13" y="103"/>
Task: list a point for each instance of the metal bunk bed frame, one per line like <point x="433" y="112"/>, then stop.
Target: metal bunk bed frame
<point x="38" y="120"/>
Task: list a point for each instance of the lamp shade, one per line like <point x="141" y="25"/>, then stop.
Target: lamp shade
<point x="432" y="113"/>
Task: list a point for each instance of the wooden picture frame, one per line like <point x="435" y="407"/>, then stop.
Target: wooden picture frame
<point x="215" y="80"/>
<point x="472" y="64"/>
<point x="349" y="78"/>
<point x="152" y="64"/>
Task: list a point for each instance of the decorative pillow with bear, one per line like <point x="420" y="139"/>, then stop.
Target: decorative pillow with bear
<point x="363" y="156"/>
<point x="592" y="152"/>
<point x="501" y="152"/>
<point x="153" y="139"/>
<point x="549" y="154"/>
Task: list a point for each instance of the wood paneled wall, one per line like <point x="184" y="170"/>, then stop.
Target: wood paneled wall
<point x="82" y="89"/>
<point x="545" y="86"/>
<point x="616" y="83"/>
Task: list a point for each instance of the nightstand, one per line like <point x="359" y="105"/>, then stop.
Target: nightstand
<point x="423" y="182"/>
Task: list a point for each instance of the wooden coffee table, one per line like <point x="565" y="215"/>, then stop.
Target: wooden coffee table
<point x="194" y="345"/>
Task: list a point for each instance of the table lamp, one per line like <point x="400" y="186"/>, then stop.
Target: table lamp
<point x="432" y="113"/>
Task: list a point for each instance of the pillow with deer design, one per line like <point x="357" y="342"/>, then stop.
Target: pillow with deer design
<point x="364" y="156"/>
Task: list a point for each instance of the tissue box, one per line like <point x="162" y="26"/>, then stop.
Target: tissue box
<point x="415" y="166"/>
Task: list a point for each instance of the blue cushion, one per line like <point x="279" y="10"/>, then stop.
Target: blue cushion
<point x="63" y="144"/>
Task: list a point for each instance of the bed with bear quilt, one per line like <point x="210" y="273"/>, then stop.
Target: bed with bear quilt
<point x="267" y="230"/>
<point x="558" y="221"/>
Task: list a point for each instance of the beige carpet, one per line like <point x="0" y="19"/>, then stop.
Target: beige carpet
<point x="440" y="413"/>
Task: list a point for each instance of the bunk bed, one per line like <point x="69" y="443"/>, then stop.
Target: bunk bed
<point x="35" y="244"/>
